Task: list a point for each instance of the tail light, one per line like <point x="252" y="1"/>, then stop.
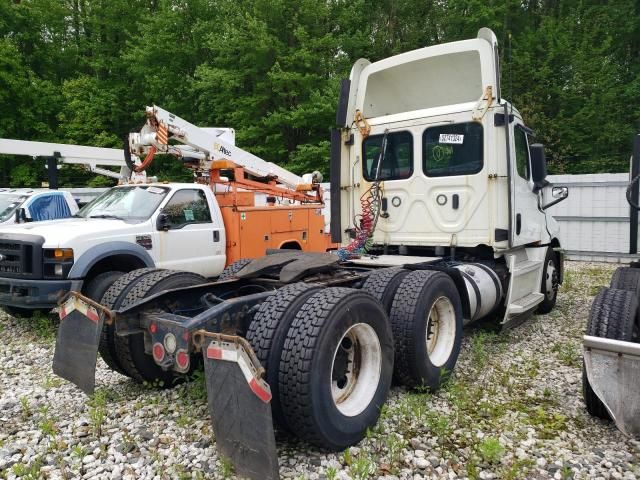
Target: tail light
<point x="182" y="360"/>
<point x="158" y="352"/>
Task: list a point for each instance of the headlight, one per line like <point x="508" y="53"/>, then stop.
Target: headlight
<point x="57" y="262"/>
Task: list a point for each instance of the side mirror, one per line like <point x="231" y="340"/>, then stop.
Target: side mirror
<point x="559" y="194"/>
<point x="162" y="222"/>
<point x="538" y="167"/>
<point x="21" y="215"/>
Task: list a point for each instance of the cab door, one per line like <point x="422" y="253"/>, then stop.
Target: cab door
<point x="527" y="221"/>
<point x="191" y="236"/>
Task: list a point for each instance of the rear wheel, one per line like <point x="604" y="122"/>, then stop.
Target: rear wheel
<point x="613" y="315"/>
<point x="550" y="282"/>
<point x="111" y="298"/>
<point x="231" y="270"/>
<point x="426" y="318"/>
<point x="383" y="284"/>
<point x="336" y="367"/>
<point x="130" y="349"/>
<point x="268" y="331"/>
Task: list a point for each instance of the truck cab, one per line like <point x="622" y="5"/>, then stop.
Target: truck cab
<point x="460" y="171"/>
<point x="131" y="226"/>
<point x="18" y="205"/>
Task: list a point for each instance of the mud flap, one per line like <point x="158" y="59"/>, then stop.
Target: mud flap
<point x="613" y="370"/>
<point x="76" y="352"/>
<point x="240" y="405"/>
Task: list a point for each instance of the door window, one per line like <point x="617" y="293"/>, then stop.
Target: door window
<point x="452" y="150"/>
<point x="397" y="160"/>
<point x="522" y="153"/>
<point x="186" y="207"/>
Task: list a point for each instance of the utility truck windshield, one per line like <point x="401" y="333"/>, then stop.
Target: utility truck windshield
<point x="135" y="203"/>
<point x="8" y="205"/>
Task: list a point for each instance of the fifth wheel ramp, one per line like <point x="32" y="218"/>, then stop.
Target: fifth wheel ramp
<point x="239" y="405"/>
<point x="613" y="370"/>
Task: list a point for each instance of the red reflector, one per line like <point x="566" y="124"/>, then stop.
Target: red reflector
<point x="259" y="391"/>
<point x="158" y="352"/>
<point x="182" y="359"/>
<point x="153" y="328"/>
<point x="62" y="313"/>
<point x="92" y="315"/>
<point x="214" y="353"/>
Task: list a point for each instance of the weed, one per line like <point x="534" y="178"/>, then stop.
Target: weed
<point x="52" y="382"/>
<point x="517" y="470"/>
<point x="363" y="467"/>
<point x="472" y="470"/>
<point x="79" y="452"/>
<point x="490" y="450"/>
<point x="479" y="351"/>
<point x="347" y="458"/>
<point x="226" y="467"/>
<point x="548" y="424"/>
<point x="567" y="353"/>
<point x="566" y="472"/>
<point x="97" y="411"/>
<point x="25" y="408"/>
<point x="47" y="424"/>
<point x="331" y="473"/>
<point x="28" y="472"/>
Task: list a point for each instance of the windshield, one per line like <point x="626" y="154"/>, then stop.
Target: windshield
<point x="8" y="205"/>
<point x="135" y="203"/>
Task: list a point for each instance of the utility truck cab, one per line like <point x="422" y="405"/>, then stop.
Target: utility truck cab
<point x="460" y="175"/>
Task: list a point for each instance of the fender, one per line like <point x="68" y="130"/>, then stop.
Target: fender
<point x="89" y="258"/>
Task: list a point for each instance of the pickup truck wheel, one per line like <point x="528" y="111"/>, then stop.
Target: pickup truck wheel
<point x="268" y="331"/>
<point x="336" y="367"/>
<point x="549" y="286"/>
<point x="426" y="318"/>
<point x="383" y="284"/>
<point x="613" y="314"/>
<point x="231" y="270"/>
<point x="109" y="298"/>
<point x="130" y="349"/>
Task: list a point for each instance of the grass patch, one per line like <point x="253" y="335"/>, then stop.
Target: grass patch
<point x="490" y="450"/>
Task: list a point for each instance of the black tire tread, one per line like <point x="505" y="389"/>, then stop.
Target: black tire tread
<point x="402" y="318"/>
<point x="107" y="348"/>
<point x="144" y="286"/>
<point x="626" y="278"/>
<point x="295" y="374"/>
<point x="613" y="313"/>
<point x="267" y="324"/>
<point x="233" y="268"/>
<point x="383" y="285"/>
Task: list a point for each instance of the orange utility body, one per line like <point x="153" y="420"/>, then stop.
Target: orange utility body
<point x="252" y="229"/>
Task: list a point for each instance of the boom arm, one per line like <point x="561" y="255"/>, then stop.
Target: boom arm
<point x="90" y="157"/>
<point x="203" y="145"/>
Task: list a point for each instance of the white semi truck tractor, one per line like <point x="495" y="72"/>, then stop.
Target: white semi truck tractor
<point x="440" y="207"/>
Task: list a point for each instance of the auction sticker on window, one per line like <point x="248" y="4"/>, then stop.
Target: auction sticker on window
<point x="454" y="138"/>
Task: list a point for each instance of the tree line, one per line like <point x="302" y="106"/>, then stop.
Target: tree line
<point x="81" y="71"/>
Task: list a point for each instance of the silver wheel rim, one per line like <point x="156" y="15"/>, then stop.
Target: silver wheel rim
<point x="550" y="280"/>
<point x="440" y="334"/>
<point x="356" y="369"/>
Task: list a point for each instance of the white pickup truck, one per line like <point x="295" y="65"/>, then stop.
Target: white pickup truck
<point x="22" y="204"/>
<point x="173" y="225"/>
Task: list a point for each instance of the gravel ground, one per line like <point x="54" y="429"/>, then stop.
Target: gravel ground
<point x="512" y="410"/>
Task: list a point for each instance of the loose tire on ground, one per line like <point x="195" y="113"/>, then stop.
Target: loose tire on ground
<point x="336" y="367"/>
<point x="383" y="284"/>
<point x="613" y="314"/>
<point x="110" y="298"/>
<point x="426" y="319"/>
<point x="268" y="331"/>
<point x="626" y="278"/>
<point x="231" y="270"/>
<point x="129" y="349"/>
<point x="549" y="285"/>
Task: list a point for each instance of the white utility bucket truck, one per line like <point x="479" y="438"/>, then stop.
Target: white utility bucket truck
<point x="611" y="368"/>
<point x="438" y="201"/>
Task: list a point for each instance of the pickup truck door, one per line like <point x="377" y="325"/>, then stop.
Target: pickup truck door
<point x="193" y="238"/>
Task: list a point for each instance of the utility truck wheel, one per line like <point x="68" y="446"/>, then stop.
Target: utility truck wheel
<point x="426" y="318"/>
<point x="336" y="367"/>
<point x="268" y="331"/>
<point x="613" y="314"/>
<point x="130" y="349"/>
<point x="549" y="286"/>
<point x="383" y="284"/>
<point x="109" y="298"/>
<point x="231" y="270"/>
